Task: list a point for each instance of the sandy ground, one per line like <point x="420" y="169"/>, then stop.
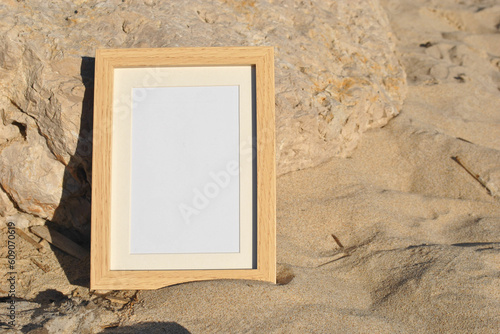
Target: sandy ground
<point x="421" y="236"/>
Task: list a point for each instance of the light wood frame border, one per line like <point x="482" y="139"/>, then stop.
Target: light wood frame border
<point x="262" y="59"/>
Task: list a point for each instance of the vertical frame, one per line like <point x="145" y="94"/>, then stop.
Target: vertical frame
<point x="108" y="61"/>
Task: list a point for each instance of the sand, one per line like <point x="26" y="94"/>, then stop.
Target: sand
<point x="420" y="235"/>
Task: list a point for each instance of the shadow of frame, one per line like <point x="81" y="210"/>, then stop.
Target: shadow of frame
<point x="72" y="216"/>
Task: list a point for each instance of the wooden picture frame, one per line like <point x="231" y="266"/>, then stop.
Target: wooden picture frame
<point x="244" y="75"/>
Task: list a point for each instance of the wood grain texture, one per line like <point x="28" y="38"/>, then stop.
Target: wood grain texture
<point x="262" y="58"/>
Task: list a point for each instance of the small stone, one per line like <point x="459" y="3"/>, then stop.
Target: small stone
<point x="284" y="274"/>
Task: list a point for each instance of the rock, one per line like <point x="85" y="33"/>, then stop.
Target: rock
<point x="336" y="77"/>
<point x="31" y="178"/>
<point x="284" y="274"/>
<point x="6" y="205"/>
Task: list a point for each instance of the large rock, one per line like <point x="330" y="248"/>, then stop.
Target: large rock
<point x="336" y="77"/>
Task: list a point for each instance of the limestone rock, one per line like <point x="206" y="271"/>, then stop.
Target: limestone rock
<point x="336" y="77"/>
<point x="31" y="178"/>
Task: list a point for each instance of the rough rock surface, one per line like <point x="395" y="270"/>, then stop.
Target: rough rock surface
<point x="336" y="77"/>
